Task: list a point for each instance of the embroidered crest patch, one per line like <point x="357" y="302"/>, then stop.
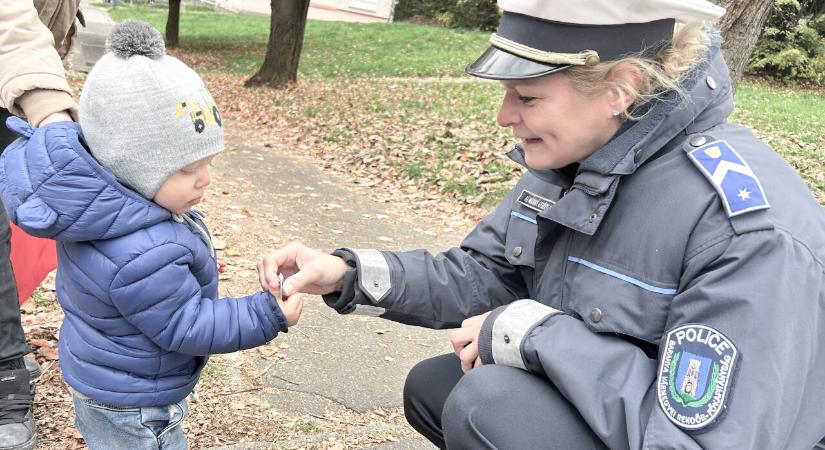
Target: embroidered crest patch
<point x="733" y="179"/>
<point x="695" y="375"/>
<point x="534" y="201"/>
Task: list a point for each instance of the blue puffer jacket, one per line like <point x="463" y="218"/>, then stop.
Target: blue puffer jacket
<point x="138" y="285"/>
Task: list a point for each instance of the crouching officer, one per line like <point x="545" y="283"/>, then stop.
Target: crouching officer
<point x="655" y="280"/>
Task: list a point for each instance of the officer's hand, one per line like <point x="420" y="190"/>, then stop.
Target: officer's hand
<point x="291" y="308"/>
<point x="304" y="269"/>
<point x="465" y="341"/>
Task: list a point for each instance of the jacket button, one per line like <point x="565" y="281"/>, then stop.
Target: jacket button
<point x="506" y="339"/>
<point x="596" y="315"/>
<point x="711" y="82"/>
<point x="375" y="284"/>
<point x="698" y="141"/>
<point x="517" y="252"/>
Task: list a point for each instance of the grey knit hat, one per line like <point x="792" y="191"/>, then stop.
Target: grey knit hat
<point x="145" y="114"/>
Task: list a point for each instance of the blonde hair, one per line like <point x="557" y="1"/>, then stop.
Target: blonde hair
<point x="658" y="75"/>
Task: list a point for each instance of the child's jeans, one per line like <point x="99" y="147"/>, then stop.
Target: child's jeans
<point x="130" y="428"/>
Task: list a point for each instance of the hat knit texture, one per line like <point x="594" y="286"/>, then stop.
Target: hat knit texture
<point x="145" y="114"/>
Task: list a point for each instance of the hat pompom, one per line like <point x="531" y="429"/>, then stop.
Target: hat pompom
<point x="135" y="37"/>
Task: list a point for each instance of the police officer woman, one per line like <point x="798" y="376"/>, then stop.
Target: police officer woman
<point x="655" y="280"/>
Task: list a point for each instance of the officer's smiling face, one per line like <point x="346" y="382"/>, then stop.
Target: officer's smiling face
<point x="556" y="124"/>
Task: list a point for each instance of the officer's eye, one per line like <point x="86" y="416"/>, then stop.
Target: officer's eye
<point x="525" y="99"/>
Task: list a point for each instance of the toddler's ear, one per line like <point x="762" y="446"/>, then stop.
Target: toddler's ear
<point x="35" y="215"/>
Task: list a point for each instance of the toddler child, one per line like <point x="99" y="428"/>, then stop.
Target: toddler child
<point x="137" y="276"/>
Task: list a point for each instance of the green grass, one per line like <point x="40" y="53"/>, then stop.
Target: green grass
<point x="791" y="121"/>
<point x="799" y="113"/>
<point x="41" y="298"/>
<point x="331" y="49"/>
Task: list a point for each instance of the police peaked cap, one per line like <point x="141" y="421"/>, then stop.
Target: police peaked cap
<point x="539" y="37"/>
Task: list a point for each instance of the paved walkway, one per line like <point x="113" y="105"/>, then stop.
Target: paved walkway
<point x="91" y="40"/>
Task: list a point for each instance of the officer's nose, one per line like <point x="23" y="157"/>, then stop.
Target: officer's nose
<point x="508" y="114"/>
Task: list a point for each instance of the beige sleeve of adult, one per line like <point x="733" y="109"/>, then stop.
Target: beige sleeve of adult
<point x="32" y="80"/>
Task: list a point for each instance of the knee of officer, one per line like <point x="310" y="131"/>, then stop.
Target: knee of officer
<point x="482" y="391"/>
<point x="419" y="380"/>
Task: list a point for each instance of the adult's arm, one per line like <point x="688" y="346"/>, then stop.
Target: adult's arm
<point x="436" y="291"/>
<point x="32" y="79"/>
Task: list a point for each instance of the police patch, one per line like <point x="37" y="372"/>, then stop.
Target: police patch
<point x="534" y="201"/>
<point x="733" y="179"/>
<point x="695" y="375"/>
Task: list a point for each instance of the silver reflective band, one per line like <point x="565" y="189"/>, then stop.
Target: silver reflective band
<point x="585" y="58"/>
<point x="510" y="327"/>
<point x="374" y="273"/>
<point x="368" y="310"/>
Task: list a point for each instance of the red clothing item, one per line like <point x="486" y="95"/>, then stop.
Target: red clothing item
<point x="31" y="259"/>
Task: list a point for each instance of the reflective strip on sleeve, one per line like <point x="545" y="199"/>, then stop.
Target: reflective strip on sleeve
<point x="511" y="326"/>
<point x="368" y="310"/>
<point x="373" y="273"/>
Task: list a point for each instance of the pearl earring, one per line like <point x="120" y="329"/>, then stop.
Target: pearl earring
<point x="616" y="112"/>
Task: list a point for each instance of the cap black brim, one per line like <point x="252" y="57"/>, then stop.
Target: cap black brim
<point x="495" y="64"/>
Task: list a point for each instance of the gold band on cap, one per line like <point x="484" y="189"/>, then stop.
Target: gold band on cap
<point x="585" y="58"/>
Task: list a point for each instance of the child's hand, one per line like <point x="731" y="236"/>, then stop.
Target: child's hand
<point x="221" y="266"/>
<point x="291" y="308"/>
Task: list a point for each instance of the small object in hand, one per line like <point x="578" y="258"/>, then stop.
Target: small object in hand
<point x="281" y="286"/>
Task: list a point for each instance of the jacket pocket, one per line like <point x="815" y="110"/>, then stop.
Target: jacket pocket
<point x="520" y="241"/>
<point x="609" y="299"/>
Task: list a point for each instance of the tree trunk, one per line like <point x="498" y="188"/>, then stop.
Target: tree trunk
<point x="173" y="24"/>
<point x="286" y="37"/>
<point x="741" y="26"/>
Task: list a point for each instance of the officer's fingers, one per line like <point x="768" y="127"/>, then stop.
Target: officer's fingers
<point x="467" y="356"/>
<point x="459" y="338"/>
<point x="268" y="271"/>
<point x="281" y="260"/>
<point x="308" y="280"/>
<point x="474" y="322"/>
<point x="262" y="278"/>
<point x="477" y="363"/>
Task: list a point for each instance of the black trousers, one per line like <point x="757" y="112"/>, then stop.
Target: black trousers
<point x="12" y="338"/>
<point x="491" y="407"/>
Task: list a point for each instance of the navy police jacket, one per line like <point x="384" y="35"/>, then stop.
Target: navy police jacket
<point x="673" y="287"/>
<point x="138" y="285"/>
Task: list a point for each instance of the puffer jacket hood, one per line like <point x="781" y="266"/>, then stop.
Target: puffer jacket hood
<point x="52" y="187"/>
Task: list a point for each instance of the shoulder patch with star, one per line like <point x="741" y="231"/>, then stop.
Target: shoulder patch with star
<point x="738" y="187"/>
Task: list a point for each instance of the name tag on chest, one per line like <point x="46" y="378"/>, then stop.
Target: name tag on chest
<point x="534" y="201"/>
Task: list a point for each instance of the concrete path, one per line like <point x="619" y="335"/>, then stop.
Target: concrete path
<point x="91" y="40"/>
<point x="356" y="362"/>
